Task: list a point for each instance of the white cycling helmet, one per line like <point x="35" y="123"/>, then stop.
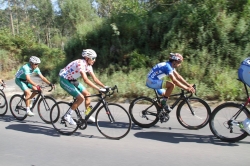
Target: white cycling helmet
<point x="35" y="60"/>
<point x="89" y="53"/>
<point x="176" y="57"/>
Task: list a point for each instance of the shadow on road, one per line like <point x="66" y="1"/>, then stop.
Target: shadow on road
<point x="39" y="127"/>
<point x="183" y="137"/>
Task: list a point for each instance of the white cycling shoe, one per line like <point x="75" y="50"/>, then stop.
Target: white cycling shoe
<point x="29" y="113"/>
<point x="91" y="120"/>
<point x="69" y="119"/>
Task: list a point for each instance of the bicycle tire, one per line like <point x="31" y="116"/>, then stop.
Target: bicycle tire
<point x="219" y="122"/>
<point x="3" y="105"/>
<point x="200" y="119"/>
<point x="18" y="107"/>
<point x="57" y="112"/>
<point x="116" y="128"/>
<point x="139" y="115"/>
<point x="44" y="107"/>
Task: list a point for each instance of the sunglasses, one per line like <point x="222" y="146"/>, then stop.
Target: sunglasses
<point x="35" y="63"/>
<point x="93" y="59"/>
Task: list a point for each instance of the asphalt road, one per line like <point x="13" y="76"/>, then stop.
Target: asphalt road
<point x="33" y="143"/>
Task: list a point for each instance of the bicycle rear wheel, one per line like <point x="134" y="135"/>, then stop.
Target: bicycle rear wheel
<point x="3" y="105"/>
<point x="143" y="112"/>
<point x="221" y="122"/>
<point x="18" y="107"/>
<point x="57" y="112"/>
<point x="193" y="114"/>
<point x="44" y="107"/>
<point x="114" y="123"/>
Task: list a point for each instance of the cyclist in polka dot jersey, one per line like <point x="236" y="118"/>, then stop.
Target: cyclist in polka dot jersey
<point x="68" y="81"/>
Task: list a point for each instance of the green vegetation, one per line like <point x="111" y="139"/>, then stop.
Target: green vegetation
<point x="130" y="37"/>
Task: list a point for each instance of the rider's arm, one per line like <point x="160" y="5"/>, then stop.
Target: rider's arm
<point x="87" y="81"/>
<point x="181" y="79"/>
<point x="30" y="81"/>
<point x="97" y="81"/>
<point x="177" y="82"/>
<point x="44" y="79"/>
<point x="181" y="82"/>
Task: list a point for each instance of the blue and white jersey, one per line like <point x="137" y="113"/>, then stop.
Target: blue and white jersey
<point x="161" y="70"/>
<point x="244" y="71"/>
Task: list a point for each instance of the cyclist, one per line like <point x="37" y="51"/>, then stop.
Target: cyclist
<point x="23" y="80"/>
<point x="68" y="81"/>
<point x="244" y="76"/>
<point x="160" y="70"/>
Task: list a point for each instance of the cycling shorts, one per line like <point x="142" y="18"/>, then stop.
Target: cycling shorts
<point x="74" y="88"/>
<point x="23" y="84"/>
<point x="156" y="84"/>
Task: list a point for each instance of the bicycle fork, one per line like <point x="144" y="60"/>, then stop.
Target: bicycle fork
<point x="111" y="118"/>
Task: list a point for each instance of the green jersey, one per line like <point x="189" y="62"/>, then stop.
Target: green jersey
<point x="26" y="70"/>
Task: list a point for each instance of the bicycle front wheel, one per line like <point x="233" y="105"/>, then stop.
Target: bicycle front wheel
<point x="113" y="123"/>
<point x="57" y="120"/>
<point x="143" y="112"/>
<point x="224" y="124"/>
<point x="3" y="105"/>
<point x="18" y="107"/>
<point x="193" y="113"/>
<point x="44" y="107"/>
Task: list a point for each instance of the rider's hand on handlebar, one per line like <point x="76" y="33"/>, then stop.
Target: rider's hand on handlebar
<point x="102" y="90"/>
<point x="52" y="85"/>
<point x="191" y="89"/>
<point x="38" y="88"/>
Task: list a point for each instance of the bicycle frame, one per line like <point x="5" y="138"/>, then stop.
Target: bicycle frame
<point x="100" y="101"/>
<point x="181" y="95"/>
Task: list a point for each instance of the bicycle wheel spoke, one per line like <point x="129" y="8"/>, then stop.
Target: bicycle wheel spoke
<point x="56" y="118"/>
<point x="114" y="124"/>
<point x="224" y="125"/>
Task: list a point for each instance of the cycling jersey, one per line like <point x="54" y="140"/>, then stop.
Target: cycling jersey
<point x="244" y="71"/>
<point x="161" y="70"/>
<point x="155" y="76"/>
<point x="72" y="70"/>
<point x="26" y="70"/>
<point x="21" y="76"/>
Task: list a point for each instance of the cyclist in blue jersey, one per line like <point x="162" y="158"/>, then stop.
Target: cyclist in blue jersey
<point x="244" y="76"/>
<point x="24" y="81"/>
<point x="156" y="74"/>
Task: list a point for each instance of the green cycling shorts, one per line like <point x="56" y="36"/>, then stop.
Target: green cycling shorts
<point x="74" y="88"/>
<point x="23" y="84"/>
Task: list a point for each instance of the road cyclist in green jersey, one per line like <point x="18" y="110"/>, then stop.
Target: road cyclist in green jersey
<point x="160" y="70"/>
<point x="24" y="81"/>
<point x="68" y="81"/>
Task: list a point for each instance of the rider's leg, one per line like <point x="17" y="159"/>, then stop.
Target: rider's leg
<point x="85" y="93"/>
<point x="169" y="88"/>
<point x="27" y="94"/>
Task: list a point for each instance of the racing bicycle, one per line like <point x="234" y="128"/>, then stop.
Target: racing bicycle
<point x="112" y="120"/>
<point x="3" y="102"/>
<point x="225" y="120"/>
<point x="192" y="112"/>
<point x="44" y="104"/>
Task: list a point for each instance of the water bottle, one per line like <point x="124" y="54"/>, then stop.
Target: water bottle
<point x="88" y="110"/>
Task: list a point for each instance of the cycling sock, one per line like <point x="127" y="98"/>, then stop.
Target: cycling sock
<point x="70" y="111"/>
<point x="28" y="109"/>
